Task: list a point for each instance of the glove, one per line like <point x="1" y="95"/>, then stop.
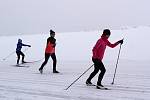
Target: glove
<point x="121" y="41"/>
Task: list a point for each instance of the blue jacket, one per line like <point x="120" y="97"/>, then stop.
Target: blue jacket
<point x="19" y="46"/>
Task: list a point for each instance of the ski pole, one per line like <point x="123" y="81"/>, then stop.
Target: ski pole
<point x="78" y="77"/>
<point x="9" y="55"/>
<point x="116" y="65"/>
<point x="12" y="54"/>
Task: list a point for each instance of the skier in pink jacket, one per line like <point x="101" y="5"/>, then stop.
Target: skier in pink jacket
<point x="98" y="53"/>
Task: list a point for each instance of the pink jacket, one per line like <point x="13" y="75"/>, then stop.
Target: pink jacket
<point x="99" y="48"/>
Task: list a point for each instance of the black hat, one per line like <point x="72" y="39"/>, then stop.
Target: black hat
<point x="51" y="32"/>
<point x="106" y="32"/>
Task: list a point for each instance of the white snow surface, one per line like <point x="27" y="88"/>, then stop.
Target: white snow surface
<point x="73" y="53"/>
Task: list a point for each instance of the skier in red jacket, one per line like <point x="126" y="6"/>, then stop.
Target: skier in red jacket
<point x="50" y="51"/>
<point x="98" y="53"/>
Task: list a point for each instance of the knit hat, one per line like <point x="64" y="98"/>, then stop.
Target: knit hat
<point x="106" y="32"/>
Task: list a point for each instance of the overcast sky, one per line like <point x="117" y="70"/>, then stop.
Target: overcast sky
<point x="38" y="16"/>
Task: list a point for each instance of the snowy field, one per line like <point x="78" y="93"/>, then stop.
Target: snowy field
<point x="73" y="53"/>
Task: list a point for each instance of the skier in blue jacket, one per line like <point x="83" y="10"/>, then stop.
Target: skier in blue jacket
<point x="19" y="52"/>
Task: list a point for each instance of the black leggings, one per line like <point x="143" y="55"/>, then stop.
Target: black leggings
<point x="53" y="56"/>
<point x="98" y="65"/>
<point x="18" y="55"/>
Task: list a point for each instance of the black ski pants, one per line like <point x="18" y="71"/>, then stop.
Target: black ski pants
<point x="18" y="55"/>
<point x="98" y="65"/>
<point x="53" y="56"/>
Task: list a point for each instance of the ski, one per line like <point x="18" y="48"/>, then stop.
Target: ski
<point x="102" y="88"/>
<point x="26" y="62"/>
<point x="97" y="87"/>
<point x="31" y="61"/>
<point x="90" y="84"/>
<point x="20" y="65"/>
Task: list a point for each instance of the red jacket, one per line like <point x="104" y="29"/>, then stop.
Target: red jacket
<point x="50" y="47"/>
<point x="99" y="48"/>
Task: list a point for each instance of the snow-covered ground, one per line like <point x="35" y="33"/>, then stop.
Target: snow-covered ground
<point x="74" y="57"/>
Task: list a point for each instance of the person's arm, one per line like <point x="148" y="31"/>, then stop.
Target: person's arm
<point x="26" y="45"/>
<point x="47" y="41"/>
<point x="96" y="47"/>
<point x="112" y="45"/>
<point x="52" y="42"/>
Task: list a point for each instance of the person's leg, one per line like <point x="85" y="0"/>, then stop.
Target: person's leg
<point x="18" y="57"/>
<point x="101" y="75"/>
<point x="53" y="56"/>
<point x="22" y="54"/>
<point x="45" y="62"/>
<point x="96" y="69"/>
